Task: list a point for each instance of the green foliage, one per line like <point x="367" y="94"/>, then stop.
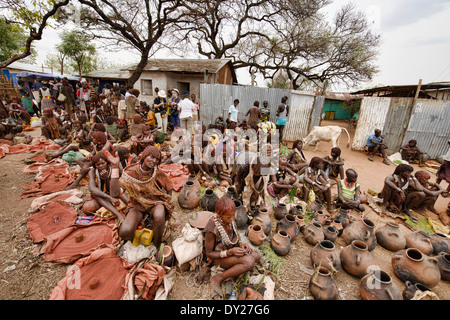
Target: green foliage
<point x="274" y="260"/>
<point x="422" y="224"/>
<point x="12" y="40"/>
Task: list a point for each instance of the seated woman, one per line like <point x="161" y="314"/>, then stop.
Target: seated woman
<point x="411" y="153"/>
<point x="77" y="139"/>
<point x="333" y="164"/>
<point x="431" y="190"/>
<point x="107" y="191"/>
<point x="282" y="181"/>
<point x="150" y="193"/>
<point x="349" y="191"/>
<point x="136" y="126"/>
<point x="144" y="139"/>
<point x="111" y="126"/>
<point x="100" y="127"/>
<point x="316" y="179"/>
<point x="52" y="127"/>
<point x="126" y="157"/>
<point x="18" y="111"/>
<point x="443" y="172"/>
<point x="296" y="159"/>
<point x="395" y="192"/>
<point x="224" y="247"/>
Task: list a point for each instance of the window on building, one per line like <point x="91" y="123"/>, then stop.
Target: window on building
<point x="146" y="87"/>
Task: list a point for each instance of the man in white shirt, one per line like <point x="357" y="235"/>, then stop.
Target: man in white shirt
<point x="233" y="114"/>
<point x="186" y="108"/>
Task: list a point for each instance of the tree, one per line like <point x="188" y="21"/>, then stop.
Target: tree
<point x="77" y="47"/>
<point x="13" y="41"/>
<point x="32" y="17"/>
<point x="129" y="25"/>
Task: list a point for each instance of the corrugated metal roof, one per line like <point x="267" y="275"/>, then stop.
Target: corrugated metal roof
<point x="342" y="96"/>
<point x="113" y="73"/>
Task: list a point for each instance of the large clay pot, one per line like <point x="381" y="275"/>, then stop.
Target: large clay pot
<point x="390" y="237"/>
<point x="209" y="199"/>
<point x="194" y="179"/>
<point x="315" y="206"/>
<point x="419" y="240"/>
<point x="256" y="235"/>
<point x="280" y="211"/>
<point x="231" y="193"/>
<point x="241" y="216"/>
<point x="440" y="243"/>
<point x="444" y="265"/>
<point x="262" y="218"/>
<point x="189" y="197"/>
<point x="281" y="243"/>
<point x="378" y="285"/>
<point x="414" y="266"/>
<point x="324" y="254"/>
<point x="289" y="225"/>
<point x="356" y="259"/>
<point x="322" y="285"/>
<point x="331" y="233"/>
<point x="313" y="233"/>
<point x="361" y="229"/>
<point x="411" y="290"/>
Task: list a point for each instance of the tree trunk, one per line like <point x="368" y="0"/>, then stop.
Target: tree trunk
<point x="139" y="69"/>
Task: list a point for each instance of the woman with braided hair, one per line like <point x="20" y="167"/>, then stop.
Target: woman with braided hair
<point x="150" y="191"/>
<point x="224" y="246"/>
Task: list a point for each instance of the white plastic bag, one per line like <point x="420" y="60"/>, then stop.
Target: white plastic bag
<point x="189" y="245"/>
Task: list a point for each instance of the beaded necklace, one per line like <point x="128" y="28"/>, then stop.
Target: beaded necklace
<point x="223" y="234"/>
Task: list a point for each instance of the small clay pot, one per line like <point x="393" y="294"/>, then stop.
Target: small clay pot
<point x="231" y="193"/>
<point x="414" y="266"/>
<point x="440" y="243"/>
<point x="313" y="233"/>
<point x="300" y="222"/>
<point x="444" y="265"/>
<point x="324" y="254"/>
<point x="241" y="216"/>
<point x="256" y="235"/>
<point x="281" y="243"/>
<point x="289" y="225"/>
<point x="297" y="210"/>
<point x="321" y="217"/>
<point x="420" y="240"/>
<point x="356" y="259"/>
<point x="330" y="233"/>
<point x="315" y="206"/>
<point x="378" y="285"/>
<point x="411" y="290"/>
<point x="390" y="237"/>
<point x="262" y="218"/>
<point x="322" y="285"/>
<point x="362" y="229"/>
<point x="189" y="196"/>
<point x="338" y="225"/>
<point x="209" y="199"/>
<point x="280" y="211"/>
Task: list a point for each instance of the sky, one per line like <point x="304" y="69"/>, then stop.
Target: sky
<point x="415" y="42"/>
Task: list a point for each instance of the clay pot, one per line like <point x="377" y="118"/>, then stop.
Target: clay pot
<point x="411" y="290"/>
<point x="324" y="254"/>
<point x="231" y="193"/>
<point x="419" y="240"/>
<point x="262" y="218"/>
<point x="390" y="237"/>
<point x="315" y="206"/>
<point x="194" y="179"/>
<point x="90" y="206"/>
<point x="440" y="243"/>
<point x="300" y="222"/>
<point x="209" y="199"/>
<point x="444" y="265"/>
<point x="297" y="210"/>
<point x="189" y="197"/>
<point x="241" y="217"/>
<point x="322" y="285"/>
<point x="330" y="233"/>
<point x="356" y="259"/>
<point x="281" y="243"/>
<point x="338" y="225"/>
<point x="362" y="229"/>
<point x="289" y="225"/>
<point x="256" y="235"/>
<point x="313" y="233"/>
<point x="343" y="218"/>
<point x="280" y="211"/>
<point x="321" y="217"/>
<point x="414" y="266"/>
<point x="378" y="285"/>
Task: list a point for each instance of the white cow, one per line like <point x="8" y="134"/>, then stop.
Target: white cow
<point x="328" y="133"/>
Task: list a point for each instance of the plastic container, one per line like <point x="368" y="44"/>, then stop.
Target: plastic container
<point x="233" y="296"/>
<point x="142" y="236"/>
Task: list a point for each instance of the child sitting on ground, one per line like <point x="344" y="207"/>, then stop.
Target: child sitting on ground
<point x="349" y="192"/>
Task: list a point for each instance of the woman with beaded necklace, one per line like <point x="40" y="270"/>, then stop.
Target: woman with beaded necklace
<point x="150" y="191"/>
<point x="224" y="246"/>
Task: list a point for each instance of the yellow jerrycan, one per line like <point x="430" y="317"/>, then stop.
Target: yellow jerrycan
<point x="142" y="236"/>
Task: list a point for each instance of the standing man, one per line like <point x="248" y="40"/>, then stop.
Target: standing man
<point x="374" y="145"/>
<point x="254" y="113"/>
<point x="282" y="114"/>
<point x="186" y="108"/>
<point x="233" y="114"/>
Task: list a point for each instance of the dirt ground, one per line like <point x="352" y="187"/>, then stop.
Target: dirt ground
<point x="24" y="274"/>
